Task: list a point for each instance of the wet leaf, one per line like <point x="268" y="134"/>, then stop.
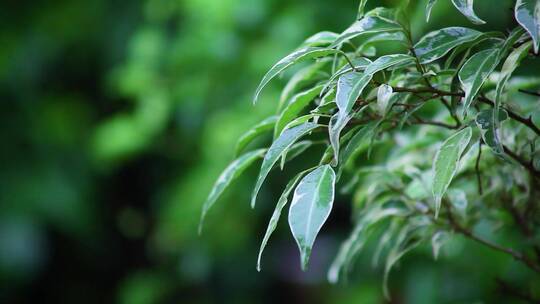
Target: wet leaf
<point x="446" y="163"/>
<point x="310" y="207"/>
<point x="282" y="143"/>
<point x="438" y="43"/>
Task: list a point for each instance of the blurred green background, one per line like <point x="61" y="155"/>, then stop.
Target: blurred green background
<point x="117" y="117"/>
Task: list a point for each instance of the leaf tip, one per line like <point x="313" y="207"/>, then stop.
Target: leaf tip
<point x="200" y="228"/>
<point x="253" y="200"/>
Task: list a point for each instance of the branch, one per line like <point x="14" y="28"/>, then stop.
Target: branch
<point x="521" y="161"/>
<point x="518" y="256"/>
<point x="529" y="92"/>
<point x="420" y="121"/>
<point x="526" y="121"/>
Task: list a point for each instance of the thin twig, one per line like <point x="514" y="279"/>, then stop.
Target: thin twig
<point x="526" y="121"/>
<point x="467" y="233"/>
<point x="420" y="121"/>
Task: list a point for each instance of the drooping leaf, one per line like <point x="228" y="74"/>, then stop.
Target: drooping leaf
<point x="300" y="120"/>
<point x="466" y="8"/>
<point x="277" y="213"/>
<point x="358" y="141"/>
<point x="429" y="7"/>
<point x="324" y="38"/>
<point x="328" y="153"/>
<point x="227" y="176"/>
<point x="361" y="7"/>
<point x="295" y="150"/>
<point x="350" y="86"/>
<point x="446" y="163"/>
<point x="507" y="46"/>
<point x="438" y="43"/>
<point x="350" y="248"/>
<point x="458" y="200"/>
<point x="384" y="94"/>
<point x="405" y="242"/>
<point x="474" y="72"/>
<point x="335" y="127"/>
<point x="467" y="47"/>
<point x="509" y="65"/>
<point x="260" y="128"/>
<point x="291" y="59"/>
<point x="437" y="241"/>
<point x="527" y="14"/>
<point x="360" y="63"/>
<point x="369" y="24"/>
<point x="306" y="75"/>
<point x="295" y="107"/>
<point x="310" y="207"/>
<point x="283" y="142"/>
<point x="340" y="119"/>
<point x="346" y="100"/>
<point x="381" y="37"/>
<point x="484" y="121"/>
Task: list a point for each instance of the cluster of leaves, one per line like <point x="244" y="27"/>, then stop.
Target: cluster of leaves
<point x="418" y="120"/>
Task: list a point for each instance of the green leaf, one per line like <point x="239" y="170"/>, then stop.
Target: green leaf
<point x="340" y="119"/>
<point x="260" y="128"/>
<point x="405" y="242"/>
<point x="355" y="83"/>
<point x="527" y="14"/>
<point x="468" y="46"/>
<point x="484" y="121"/>
<point x="295" y="150"/>
<point x="277" y="213"/>
<point x="367" y="47"/>
<point x="358" y="142"/>
<point x="310" y="207"/>
<point x="306" y="75"/>
<point x="295" y="107"/>
<point x="438" y="43"/>
<point x="350" y="86"/>
<point x="429" y="7"/>
<point x="302" y="119"/>
<point x="350" y="248"/>
<point x="474" y="72"/>
<point x="361" y="7"/>
<point x="446" y="163"/>
<point x="235" y="169"/>
<point x="384" y="94"/>
<point x="360" y="64"/>
<point x="282" y="143"/>
<point x="369" y="24"/>
<point x="335" y="127"/>
<point x="291" y="59"/>
<point x="466" y="8"/>
<point x="328" y="153"/>
<point x="509" y="65"/>
<point x="323" y="38"/>
<point x="437" y="241"/>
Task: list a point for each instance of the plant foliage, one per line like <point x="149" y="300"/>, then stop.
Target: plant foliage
<point x="425" y="137"/>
